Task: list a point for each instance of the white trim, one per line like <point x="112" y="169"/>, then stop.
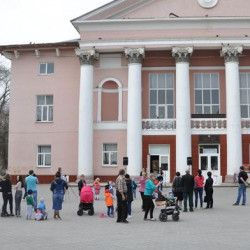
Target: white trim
<point x="110" y="125"/>
<point x="101" y="90"/>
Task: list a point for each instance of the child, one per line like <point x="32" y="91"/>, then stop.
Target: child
<point x="109" y="203"/>
<point x="41" y="211"/>
<point x="30" y="204"/>
<point x="97" y="187"/>
<point x="111" y="189"/>
<point x="171" y="196"/>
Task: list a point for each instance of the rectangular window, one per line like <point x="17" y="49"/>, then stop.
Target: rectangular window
<point x="245" y="95"/>
<point x="109" y="153"/>
<point x="206" y="93"/>
<point x="46" y="68"/>
<point x="44" y="108"/>
<point x="161" y="95"/>
<point x="44" y="156"/>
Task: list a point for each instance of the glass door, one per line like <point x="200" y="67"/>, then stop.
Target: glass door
<point x="164" y="165"/>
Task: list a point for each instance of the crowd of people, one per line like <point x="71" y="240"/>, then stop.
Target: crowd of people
<point x="183" y="188"/>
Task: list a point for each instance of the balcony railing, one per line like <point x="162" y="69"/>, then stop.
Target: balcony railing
<point x="196" y="124"/>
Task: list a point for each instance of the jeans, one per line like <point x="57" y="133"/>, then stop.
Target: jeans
<point x="189" y="196"/>
<point x="198" y="192"/>
<point x="18" y="198"/>
<point x="149" y="206"/>
<point x="110" y="210"/>
<point x="129" y="207"/>
<point x="134" y="193"/>
<point x="35" y="199"/>
<point x="7" y="197"/>
<point x="241" y="191"/>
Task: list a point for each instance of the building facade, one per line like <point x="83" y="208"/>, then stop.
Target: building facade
<point x="155" y="81"/>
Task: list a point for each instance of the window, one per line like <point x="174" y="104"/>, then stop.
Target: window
<point x="44" y="156"/>
<point x="46" y="68"/>
<point x="44" y="109"/>
<point x="245" y="95"/>
<point x="109" y="154"/>
<point x="207" y="93"/>
<point x="161" y="95"/>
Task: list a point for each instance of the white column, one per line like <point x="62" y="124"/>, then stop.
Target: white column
<point x="134" y="112"/>
<point x="85" y="133"/>
<point x="234" y="138"/>
<point x="183" y="113"/>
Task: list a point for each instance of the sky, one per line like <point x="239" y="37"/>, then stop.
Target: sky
<point x="41" y="21"/>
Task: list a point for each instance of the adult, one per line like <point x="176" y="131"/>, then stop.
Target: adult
<point x="81" y="183"/>
<point x="242" y="178"/>
<point x="198" y="190"/>
<point x="142" y="182"/>
<point x="188" y="189"/>
<point x="178" y="189"/>
<point x="18" y="195"/>
<point x="31" y="183"/>
<point x="6" y="187"/>
<point x="148" y="197"/>
<point x="58" y="187"/>
<point x="129" y="194"/>
<point x="121" y="194"/>
<point x="209" y="190"/>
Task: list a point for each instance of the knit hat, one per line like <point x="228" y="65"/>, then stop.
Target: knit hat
<point x="30" y="191"/>
<point x="106" y="191"/>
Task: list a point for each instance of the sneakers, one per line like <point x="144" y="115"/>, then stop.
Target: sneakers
<point x="129" y="216"/>
<point x="235" y="204"/>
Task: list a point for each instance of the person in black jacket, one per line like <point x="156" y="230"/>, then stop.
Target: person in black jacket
<point x="209" y="190"/>
<point x="6" y="187"/>
<point x="188" y="189"/>
<point x="81" y="183"/>
<point x="129" y="194"/>
<point x="242" y="178"/>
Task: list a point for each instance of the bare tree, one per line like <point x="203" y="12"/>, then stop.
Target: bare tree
<point x="4" y="115"/>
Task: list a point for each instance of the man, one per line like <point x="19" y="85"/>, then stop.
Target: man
<point x="121" y="193"/>
<point x="188" y="188"/>
<point x="31" y="182"/>
<point x="242" y="178"/>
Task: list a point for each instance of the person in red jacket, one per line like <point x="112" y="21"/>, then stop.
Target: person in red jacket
<point x="109" y="203"/>
<point x="199" y="180"/>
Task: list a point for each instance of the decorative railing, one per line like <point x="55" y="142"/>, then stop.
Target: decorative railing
<point x="196" y="124"/>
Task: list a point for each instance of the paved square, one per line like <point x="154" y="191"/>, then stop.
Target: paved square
<point x="223" y="227"/>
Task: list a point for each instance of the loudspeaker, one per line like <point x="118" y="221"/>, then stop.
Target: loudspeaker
<point x="125" y="161"/>
<point x="189" y="161"/>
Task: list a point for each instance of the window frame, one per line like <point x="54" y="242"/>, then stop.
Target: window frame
<point x="109" y="155"/>
<point x="245" y="90"/>
<point x="209" y="105"/>
<point x="46" y="68"/>
<point x="166" y="106"/>
<point x="43" y="154"/>
<point x="49" y="107"/>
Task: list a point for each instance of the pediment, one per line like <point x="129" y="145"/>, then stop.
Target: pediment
<point x="151" y="9"/>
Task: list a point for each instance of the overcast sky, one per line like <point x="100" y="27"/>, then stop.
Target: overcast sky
<point x="39" y="21"/>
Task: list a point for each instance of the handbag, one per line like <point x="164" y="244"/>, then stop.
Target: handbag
<point x="205" y="198"/>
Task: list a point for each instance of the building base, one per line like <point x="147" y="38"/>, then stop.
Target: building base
<point x="229" y="179"/>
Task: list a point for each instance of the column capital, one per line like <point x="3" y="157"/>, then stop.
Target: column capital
<point x="87" y="57"/>
<point x="135" y="55"/>
<point x="231" y="54"/>
<point x="182" y="54"/>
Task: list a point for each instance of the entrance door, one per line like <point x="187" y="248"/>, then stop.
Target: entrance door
<point x="160" y="161"/>
<point x="209" y="160"/>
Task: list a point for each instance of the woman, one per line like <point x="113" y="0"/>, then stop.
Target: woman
<point x="209" y="190"/>
<point x="148" y="197"/>
<point x="58" y="187"/>
<point x="199" y="179"/>
<point x="142" y="182"/>
<point x="129" y="194"/>
<point x="6" y="187"/>
<point x="178" y="189"/>
<point x="18" y="195"/>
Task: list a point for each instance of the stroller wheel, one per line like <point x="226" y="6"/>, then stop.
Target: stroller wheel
<point x="91" y="211"/>
<point x="175" y="217"/>
<point x="80" y="212"/>
<point x="163" y="217"/>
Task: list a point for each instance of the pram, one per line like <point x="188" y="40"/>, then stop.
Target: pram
<point x="86" y="201"/>
<point x="171" y="208"/>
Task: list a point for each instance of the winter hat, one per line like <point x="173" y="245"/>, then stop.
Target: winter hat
<point x="41" y="200"/>
<point x="30" y="192"/>
<point x="107" y="191"/>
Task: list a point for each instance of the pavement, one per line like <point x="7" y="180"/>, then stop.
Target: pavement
<point x="223" y="227"/>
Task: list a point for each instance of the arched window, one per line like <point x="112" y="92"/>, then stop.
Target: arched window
<point x="109" y="100"/>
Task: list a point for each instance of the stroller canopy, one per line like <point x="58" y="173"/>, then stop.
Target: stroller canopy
<point x="86" y="195"/>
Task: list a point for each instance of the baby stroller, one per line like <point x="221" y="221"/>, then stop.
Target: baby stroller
<point x="171" y="208"/>
<point x="86" y="201"/>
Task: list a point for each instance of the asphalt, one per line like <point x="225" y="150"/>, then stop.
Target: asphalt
<point x="223" y="227"/>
